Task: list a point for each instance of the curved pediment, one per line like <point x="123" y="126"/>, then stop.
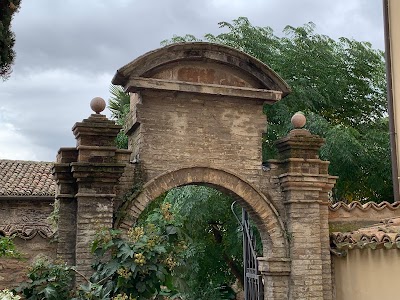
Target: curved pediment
<point x="202" y="63"/>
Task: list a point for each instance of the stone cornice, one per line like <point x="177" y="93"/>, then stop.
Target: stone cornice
<point x="136" y="84"/>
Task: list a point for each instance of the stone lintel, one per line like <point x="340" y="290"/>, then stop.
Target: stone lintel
<point x="92" y="195"/>
<point x="102" y="131"/>
<point x="298" y="160"/>
<point x="27" y="198"/>
<point x="96" y="148"/>
<point x="123" y="155"/>
<point x="136" y="84"/>
<point x="299" y="144"/>
<point x="306" y="187"/>
<point x="96" y="125"/>
<point x="67" y="155"/>
<point x="320" y="202"/>
<point x="94" y="166"/>
<point x="65" y="196"/>
<point x="306" y="182"/>
<point x="131" y="122"/>
<point x="95" y="173"/>
<point x="97" y="130"/>
<point x="304" y="177"/>
<point x="274" y="266"/>
<point x="61" y="171"/>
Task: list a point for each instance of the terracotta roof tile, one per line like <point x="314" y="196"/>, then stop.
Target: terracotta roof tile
<point x="26" y="178"/>
<point x="364" y="206"/>
<point x="383" y="235"/>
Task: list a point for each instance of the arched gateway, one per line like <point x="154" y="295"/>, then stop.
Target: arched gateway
<point x="196" y="118"/>
<point x="262" y="210"/>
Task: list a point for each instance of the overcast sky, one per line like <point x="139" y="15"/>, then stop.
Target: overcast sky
<point x="68" y="52"/>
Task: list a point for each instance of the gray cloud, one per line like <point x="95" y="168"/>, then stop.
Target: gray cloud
<point x="68" y="51"/>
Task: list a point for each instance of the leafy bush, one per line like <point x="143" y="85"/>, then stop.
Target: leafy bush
<point x="47" y="280"/>
<point x="7" y="248"/>
<point x="140" y="265"/>
<point x="8" y="295"/>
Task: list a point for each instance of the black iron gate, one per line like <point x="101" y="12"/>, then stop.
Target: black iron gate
<point x="253" y="286"/>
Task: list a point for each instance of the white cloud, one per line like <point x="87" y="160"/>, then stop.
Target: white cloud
<point x="40" y="109"/>
<point x="14" y="145"/>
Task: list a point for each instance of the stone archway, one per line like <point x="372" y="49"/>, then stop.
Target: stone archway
<point x="196" y="117"/>
<point x="275" y="265"/>
<point x="259" y="206"/>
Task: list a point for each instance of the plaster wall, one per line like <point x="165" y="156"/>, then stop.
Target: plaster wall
<point x="394" y="32"/>
<point x="366" y="274"/>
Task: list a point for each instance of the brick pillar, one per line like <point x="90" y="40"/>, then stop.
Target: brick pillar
<point x="65" y="194"/>
<point x="305" y="182"/>
<point x="86" y="188"/>
<point x="275" y="272"/>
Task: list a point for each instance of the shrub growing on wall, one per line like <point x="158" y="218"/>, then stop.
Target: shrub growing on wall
<point x="139" y="265"/>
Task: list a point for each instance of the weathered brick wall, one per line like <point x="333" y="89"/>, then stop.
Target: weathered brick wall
<point x="24" y="215"/>
<point x="29" y="220"/>
<point x="181" y="130"/>
<point x="13" y="271"/>
<point x="87" y="177"/>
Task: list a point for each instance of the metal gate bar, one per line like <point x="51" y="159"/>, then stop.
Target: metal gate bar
<point x="253" y="286"/>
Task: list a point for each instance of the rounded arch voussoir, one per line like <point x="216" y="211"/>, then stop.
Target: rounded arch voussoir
<point x="259" y="206"/>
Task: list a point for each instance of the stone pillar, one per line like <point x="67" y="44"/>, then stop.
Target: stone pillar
<point x="65" y="195"/>
<point x="306" y="183"/>
<point x="94" y="172"/>
<point x="275" y="272"/>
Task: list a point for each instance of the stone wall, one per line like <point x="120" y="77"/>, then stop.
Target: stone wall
<point x="196" y="118"/>
<point x="13" y="271"/>
<point x="27" y="221"/>
<point x="182" y="130"/>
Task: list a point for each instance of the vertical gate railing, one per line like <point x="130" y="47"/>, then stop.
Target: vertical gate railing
<point x="253" y="286"/>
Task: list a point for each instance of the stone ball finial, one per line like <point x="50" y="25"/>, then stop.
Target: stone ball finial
<point x="298" y="120"/>
<point x="97" y="105"/>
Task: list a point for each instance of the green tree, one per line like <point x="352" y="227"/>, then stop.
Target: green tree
<point x="118" y="103"/>
<point x="7" y="38"/>
<point x="213" y="260"/>
<point x="340" y="85"/>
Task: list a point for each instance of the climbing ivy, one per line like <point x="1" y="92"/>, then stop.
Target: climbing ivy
<point x="130" y="195"/>
<point x="8" y="249"/>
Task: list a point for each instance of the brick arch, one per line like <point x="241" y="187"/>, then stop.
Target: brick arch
<point x="258" y="205"/>
<point x="179" y="53"/>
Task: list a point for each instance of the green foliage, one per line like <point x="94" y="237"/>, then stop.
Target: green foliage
<point x="47" y="280"/>
<point x="187" y="244"/>
<point x="7" y="248"/>
<point x="7" y="38"/>
<point x="8" y="295"/>
<point x="130" y="195"/>
<point x="340" y="85"/>
<point x="140" y="266"/>
<point x="118" y="103"/>
<point x="54" y="216"/>
<point x="213" y="258"/>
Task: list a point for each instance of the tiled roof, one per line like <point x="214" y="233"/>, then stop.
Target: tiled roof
<point x="383" y="235"/>
<point x="26" y="178"/>
<point x="366" y="206"/>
